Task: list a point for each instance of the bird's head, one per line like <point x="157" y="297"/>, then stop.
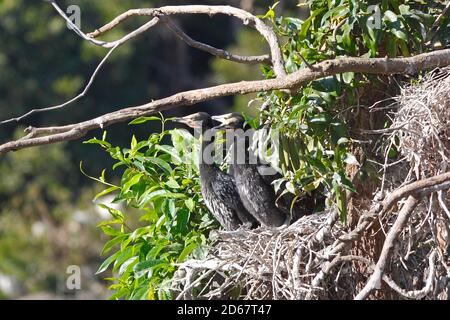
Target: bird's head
<point x="229" y="121"/>
<point x="196" y="120"/>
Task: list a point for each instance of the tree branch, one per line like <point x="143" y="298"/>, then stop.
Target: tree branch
<point x="246" y="18"/>
<point x="292" y="81"/>
<point x="374" y="281"/>
<point x="65" y="104"/>
<point x="214" y="51"/>
<point x="104" y="44"/>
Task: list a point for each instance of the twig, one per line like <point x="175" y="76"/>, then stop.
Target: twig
<point x="374" y="281"/>
<point x="416" y="294"/>
<point x="65" y="104"/>
<point x="105" y="44"/>
<point x="247" y="19"/>
<point x="212" y="50"/>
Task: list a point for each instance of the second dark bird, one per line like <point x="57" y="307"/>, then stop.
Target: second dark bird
<point x="255" y="190"/>
<point x="218" y="188"/>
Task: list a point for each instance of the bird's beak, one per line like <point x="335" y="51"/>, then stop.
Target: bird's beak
<point x="179" y="120"/>
<point x="224" y="125"/>
<point x="220" y="118"/>
<point x="185" y="121"/>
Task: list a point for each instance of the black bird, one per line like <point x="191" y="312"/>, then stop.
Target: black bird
<point x="256" y="192"/>
<point x="218" y="188"/>
<point x="254" y="177"/>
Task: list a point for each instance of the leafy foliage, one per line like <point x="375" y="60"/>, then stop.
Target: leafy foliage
<point x="162" y="182"/>
<point x="315" y="139"/>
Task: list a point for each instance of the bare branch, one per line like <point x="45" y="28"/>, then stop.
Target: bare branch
<point x="113" y="45"/>
<point x="105" y="44"/>
<point x="246" y="18"/>
<point x="374" y="281"/>
<point x="416" y="294"/>
<point x="65" y="104"/>
<point x="292" y="81"/>
<point x="214" y="51"/>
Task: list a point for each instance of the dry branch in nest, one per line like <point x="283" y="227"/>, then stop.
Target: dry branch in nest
<point x="314" y="258"/>
<point x="267" y="263"/>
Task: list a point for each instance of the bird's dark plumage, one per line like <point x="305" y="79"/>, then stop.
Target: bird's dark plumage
<point x="218" y="188"/>
<point x="257" y="194"/>
<point x="257" y="191"/>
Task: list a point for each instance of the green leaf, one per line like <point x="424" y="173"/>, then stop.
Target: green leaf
<point x="142" y="268"/>
<point x="391" y="16"/>
<point x="151" y="196"/>
<point x="307" y="23"/>
<point x="107" y="262"/>
<point x="117" y="214"/>
<point x="290" y="187"/>
<point x="172" y="183"/>
<point x="348" y="77"/>
<point x="340" y="202"/>
<point x="109" y="222"/>
<point x="160" y="163"/>
<point x="143" y="120"/>
<point x="186" y="251"/>
<point x="190" y="204"/>
<point x="133" y="181"/>
<point x="171" y="151"/>
<point x="313" y="185"/>
<point x="106" y="191"/>
<point x="123" y="256"/>
<point x="104" y="144"/>
<point x="400" y="34"/>
<point x="113" y="242"/>
<point x="110" y="231"/>
<point x="182" y="220"/>
<point x="141" y="293"/>
<point x="133" y="142"/>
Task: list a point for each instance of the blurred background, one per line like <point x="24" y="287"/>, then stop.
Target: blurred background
<point x="47" y="215"/>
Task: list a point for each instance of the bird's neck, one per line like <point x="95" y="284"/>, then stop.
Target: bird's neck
<point x="206" y="154"/>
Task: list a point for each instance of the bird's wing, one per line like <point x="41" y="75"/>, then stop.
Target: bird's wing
<point x="225" y="188"/>
<point x="268" y="178"/>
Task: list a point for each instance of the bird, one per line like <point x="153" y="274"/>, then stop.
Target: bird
<point x="250" y="176"/>
<point x="256" y="192"/>
<point x="217" y="187"/>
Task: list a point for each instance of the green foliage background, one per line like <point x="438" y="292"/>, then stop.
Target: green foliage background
<point x="47" y="220"/>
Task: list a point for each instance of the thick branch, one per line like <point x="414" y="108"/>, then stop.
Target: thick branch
<point x="293" y="81"/>
<point x="419" y="189"/>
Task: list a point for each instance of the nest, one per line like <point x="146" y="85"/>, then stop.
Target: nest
<point x="422" y="122"/>
<point x="265" y="263"/>
<point x="318" y="257"/>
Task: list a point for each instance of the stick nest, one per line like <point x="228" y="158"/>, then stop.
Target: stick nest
<point x="318" y="257"/>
